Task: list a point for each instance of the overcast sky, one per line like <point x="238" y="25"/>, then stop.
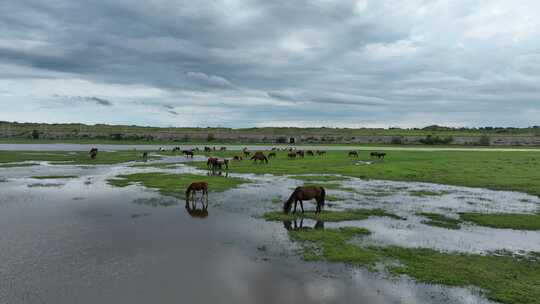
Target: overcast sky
<point x="236" y="63"/>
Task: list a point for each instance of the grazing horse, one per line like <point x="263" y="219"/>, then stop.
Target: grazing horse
<point x="304" y="194"/>
<point x="197" y="187"/>
<point x="246" y="153"/>
<point x="291" y="155"/>
<point x="379" y="155"/>
<point x="176" y="149"/>
<point x="309" y="152"/>
<point x="237" y="157"/>
<point x="320" y="152"/>
<point x="353" y="154"/>
<point x="223" y="149"/>
<point x="259" y="157"/>
<point x="210" y="162"/>
<point x="145" y="156"/>
<point x="207" y="149"/>
<point x="215" y="163"/>
<point x="300" y="153"/>
<point x="188" y="153"/>
<point x="272" y="155"/>
<point x="93" y="153"/>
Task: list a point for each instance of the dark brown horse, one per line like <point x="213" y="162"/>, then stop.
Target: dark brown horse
<point x="379" y="155"/>
<point x="197" y="187"/>
<point x="259" y="157"/>
<point x="215" y="163"/>
<point x="145" y="156"/>
<point x="237" y="157"/>
<point x="93" y="153"/>
<point x="304" y="194"/>
<point x="188" y="153"/>
<point x="291" y="155"/>
<point x="353" y="154"/>
<point x="320" y="152"/>
<point x="300" y="153"/>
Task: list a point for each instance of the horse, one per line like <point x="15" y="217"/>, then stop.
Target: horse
<point x="353" y="154"/>
<point x="291" y="155"/>
<point x="259" y="157"/>
<point x="379" y="155"/>
<point x="188" y="153"/>
<point x="93" y="153"/>
<point x="145" y="156"/>
<point x="246" y="153"/>
<point x="271" y="155"/>
<point x="176" y="149"/>
<point x="320" y="152"/>
<point x="223" y="149"/>
<point x="303" y="194"/>
<point x="300" y="153"/>
<point x="197" y="187"/>
<point x="309" y="152"/>
<point x="237" y="157"/>
<point x="215" y="163"/>
<point x="207" y="149"/>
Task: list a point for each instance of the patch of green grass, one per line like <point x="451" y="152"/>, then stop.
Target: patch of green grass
<point x="277" y="200"/>
<point x="54" y="176"/>
<point x="504" y="220"/>
<point x="176" y="184"/>
<point x="498" y="170"/>
<point x="439" y="220"/>
<point x="13" y="165"/>
<point x="318" y="178"/>
<point x="425" y="193"/>
<point x="329" y="216"/>
<point x="76" y="158"/>
<point x="504" y="279"/>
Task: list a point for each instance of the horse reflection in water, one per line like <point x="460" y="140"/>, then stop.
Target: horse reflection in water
<point x="299" y="225"/>
<point x="191" y="193"/>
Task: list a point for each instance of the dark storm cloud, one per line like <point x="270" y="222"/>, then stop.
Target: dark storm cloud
<point x="433" y="57"/>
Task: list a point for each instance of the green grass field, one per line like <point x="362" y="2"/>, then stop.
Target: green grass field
<point x="515" y="171"/>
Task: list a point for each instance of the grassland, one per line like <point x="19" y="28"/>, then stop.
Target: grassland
<point x="504" y="279"/>
<point x="175" y="184"/>
<point x="504" y="220"/>
<point x="74" y="158"/>
<point x="515" y="171"/>
<point x="330" y="216"/>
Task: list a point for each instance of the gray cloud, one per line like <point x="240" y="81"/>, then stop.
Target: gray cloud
<point x="384" y="63"/>
<point x="92" y="99"/>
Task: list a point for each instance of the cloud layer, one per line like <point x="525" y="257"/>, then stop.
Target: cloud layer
<point x="241" y="63"/>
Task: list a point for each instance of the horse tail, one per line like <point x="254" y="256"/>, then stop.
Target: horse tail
<point x="323" y="195"/>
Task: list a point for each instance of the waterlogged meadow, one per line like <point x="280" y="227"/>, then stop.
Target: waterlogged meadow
<point x="417" y="227"/>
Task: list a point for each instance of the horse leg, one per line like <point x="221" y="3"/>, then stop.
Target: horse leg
<point x="294" y="210"/>
<point x="302" y="205"/>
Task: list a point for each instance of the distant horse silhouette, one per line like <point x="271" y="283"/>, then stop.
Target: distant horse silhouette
<point x="246" y="153"/>
<point x="300" y="153"/>
<point x="176" y="149"/>
<point x="259" y="157"/>
<point x="291" y="155"/>
<point x="309" y="152"/>
<point x="319" y="152"/>
<point x="379" y="155"/>
<point x="223" y="149"/>
<point x="237" y="157"/>
<point x="210" y="162"/>
<point x="145" y="156"/>
<point x="207" y="149"/>
<point x="271" y="155"/>
<point x="93" y="153"/>
<point x="303" y="194"/>
<point x="188" y="153"/>
<point x="353" y="154"/>
<point x="197" y="187"/>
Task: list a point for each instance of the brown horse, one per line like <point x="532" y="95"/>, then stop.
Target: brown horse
<point x="259" y="157"/>
<point x="379" y="155"/>
<point x="145" y="156"/>
<point x="300" y="153"/>
<point x="291" y="155"/>
<point x="353" y="154"/>
<point x="303" y="194"/>
<point x="246" y="153"/>
<point x="210" y="162"/>
<point x="197" y="187"/>
<point x="93" y="153"/>
<point x="215" y="163"/>
<point x="237" y="157"/>
<point x="188" y="153"/>
<point x="320" y="152"/>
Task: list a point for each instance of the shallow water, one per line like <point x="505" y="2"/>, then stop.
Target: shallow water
<point x="84" y="241"/>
